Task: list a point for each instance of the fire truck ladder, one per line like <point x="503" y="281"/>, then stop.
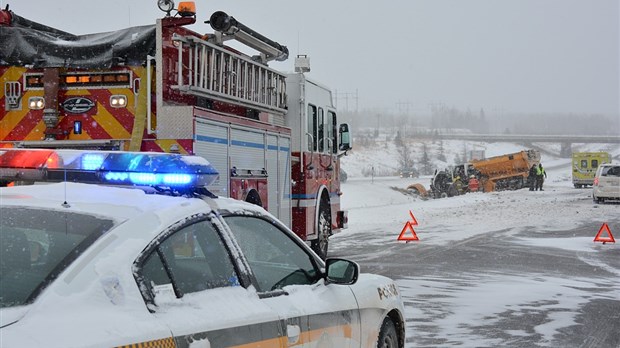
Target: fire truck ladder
<point x="210" y="71"/>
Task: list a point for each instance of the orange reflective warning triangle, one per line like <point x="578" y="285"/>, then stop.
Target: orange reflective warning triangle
<point x="414" y="222"/>
<point x="406" y="238"/>
<point x="600" y="238"/>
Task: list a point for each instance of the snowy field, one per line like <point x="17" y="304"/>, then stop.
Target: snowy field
<point x="534" y="304"/>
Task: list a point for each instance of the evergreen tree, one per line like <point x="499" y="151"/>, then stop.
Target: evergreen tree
<point x="397" y="139"/>
<point x="425" y="162"/>
<point x="441" y="156"/>
<point x="465" y="157"/>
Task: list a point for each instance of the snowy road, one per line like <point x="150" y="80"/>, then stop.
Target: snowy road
<point x="503" y="269"/>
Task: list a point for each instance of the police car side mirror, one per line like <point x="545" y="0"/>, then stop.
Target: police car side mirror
<point x="341" y="271"/>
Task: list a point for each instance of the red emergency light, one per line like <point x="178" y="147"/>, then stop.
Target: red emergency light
<point x="38" y="159"/>
<point x="27" y="165"/>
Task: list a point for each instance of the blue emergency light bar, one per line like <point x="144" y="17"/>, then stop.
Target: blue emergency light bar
<point x="163" y="170"/>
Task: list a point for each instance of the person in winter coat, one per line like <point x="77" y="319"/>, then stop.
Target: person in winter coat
<point x="540" y="177"/>
<point x="458" y="186"/>
<point x="531" y="178"/>
<point x="473" y="184"/>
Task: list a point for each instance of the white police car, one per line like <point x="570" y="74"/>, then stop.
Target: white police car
<point x="89" y="265"/>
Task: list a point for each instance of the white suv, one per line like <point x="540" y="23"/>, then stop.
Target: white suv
<point x="606" y="183"/>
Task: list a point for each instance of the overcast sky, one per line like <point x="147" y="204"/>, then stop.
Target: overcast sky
<point x="506" y="55"/>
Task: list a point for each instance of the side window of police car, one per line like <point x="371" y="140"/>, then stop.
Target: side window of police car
<point x="191" y="259"/>
<point x="276" y="259"/>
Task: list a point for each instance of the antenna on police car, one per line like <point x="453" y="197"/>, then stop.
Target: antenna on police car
<point x="65" y="204"/>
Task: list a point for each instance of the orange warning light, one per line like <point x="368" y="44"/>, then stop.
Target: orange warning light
<point x="187" y="8"/>
<point x="600" y="238"/>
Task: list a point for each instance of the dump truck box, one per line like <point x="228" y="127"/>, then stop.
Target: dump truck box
<point x="506" y="172"/>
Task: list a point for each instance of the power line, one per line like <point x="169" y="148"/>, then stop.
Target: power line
<point x="407" y="104"/>
<point x="346" y="96"/>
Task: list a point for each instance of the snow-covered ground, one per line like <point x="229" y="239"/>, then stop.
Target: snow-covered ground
<point x="560" y="220"/>
<point x="371" y="197"/>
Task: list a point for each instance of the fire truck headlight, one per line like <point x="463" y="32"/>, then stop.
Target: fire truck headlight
<point x="118" y="101"/>
<point x="36" y="103"/>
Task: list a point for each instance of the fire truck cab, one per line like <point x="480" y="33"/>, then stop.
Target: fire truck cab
<point x="273" y="137"/>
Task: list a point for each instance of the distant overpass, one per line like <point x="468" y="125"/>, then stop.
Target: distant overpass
<point x="526" y="138"/>
<point x="566" y="141"/>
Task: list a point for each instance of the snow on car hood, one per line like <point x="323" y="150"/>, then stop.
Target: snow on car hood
<point x="12" y="315"/>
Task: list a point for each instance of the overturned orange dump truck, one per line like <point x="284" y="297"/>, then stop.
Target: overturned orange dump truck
<point x="505" y="172"/>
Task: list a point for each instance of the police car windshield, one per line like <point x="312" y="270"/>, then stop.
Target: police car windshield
<point x="36" y="245"/>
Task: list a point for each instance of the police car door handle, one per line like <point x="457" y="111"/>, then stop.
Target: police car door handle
<point x="293" y="332"/>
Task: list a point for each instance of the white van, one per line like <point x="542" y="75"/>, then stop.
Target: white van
<point x="606" y="183"/>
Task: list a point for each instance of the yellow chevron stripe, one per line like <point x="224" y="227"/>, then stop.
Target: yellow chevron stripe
<point x="139" y="112"/>
<point x="10" y="121"/>
<point x="12" y="118"/>
<point x="37" y="133"/>
<point x="110" y="124"/>
<point x="166" y="144"/>
<point x="13" y="74"/>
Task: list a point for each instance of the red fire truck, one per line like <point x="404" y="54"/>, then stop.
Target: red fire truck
<point x="273" y="137"/>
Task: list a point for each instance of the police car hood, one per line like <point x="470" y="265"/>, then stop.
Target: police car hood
<point x="10" y="316"/>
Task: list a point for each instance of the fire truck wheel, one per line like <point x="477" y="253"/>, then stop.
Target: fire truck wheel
<point x="321" y="243"/>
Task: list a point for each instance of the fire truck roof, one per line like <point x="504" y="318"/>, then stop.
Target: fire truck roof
<point x="25" y="42"/>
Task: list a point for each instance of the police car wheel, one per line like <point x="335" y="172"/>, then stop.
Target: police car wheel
<point x="387" y="336"/>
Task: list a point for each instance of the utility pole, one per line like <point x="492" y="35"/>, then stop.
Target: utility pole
<point x="346" y="96"/>
<point x="407" y="104"/>
<point x="400" y="105"/>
